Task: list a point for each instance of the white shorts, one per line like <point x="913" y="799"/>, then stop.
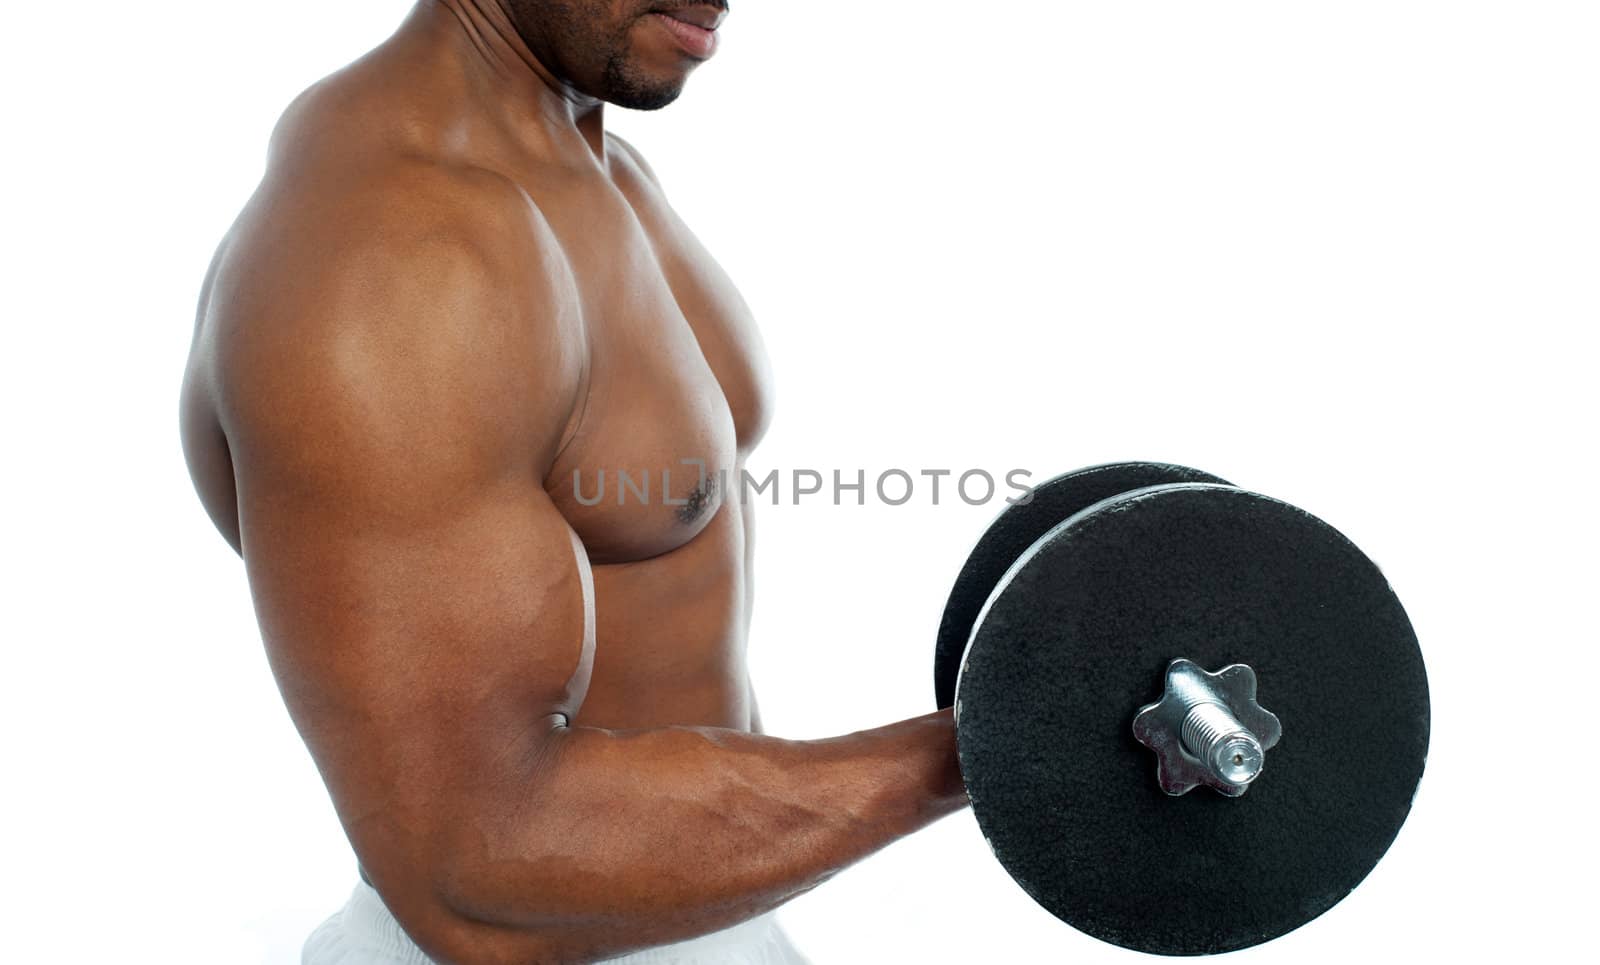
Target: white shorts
<point x="363" y="932"/>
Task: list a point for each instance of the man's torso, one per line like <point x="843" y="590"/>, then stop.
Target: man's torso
<point x="669" y="390"/>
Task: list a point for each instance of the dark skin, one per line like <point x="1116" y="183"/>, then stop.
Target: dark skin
<point x="452" y="292"/>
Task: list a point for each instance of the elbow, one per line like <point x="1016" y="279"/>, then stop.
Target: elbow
<point x="485" y="882"/>
<point x="493" y="900"/>
<point x="477" y="945"/>
<point x="456" y="936"/>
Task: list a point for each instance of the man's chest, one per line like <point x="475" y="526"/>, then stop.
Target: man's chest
<point x="676" y="387"/>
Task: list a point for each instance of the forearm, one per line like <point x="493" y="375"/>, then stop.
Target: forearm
<point x="643" y="838"/>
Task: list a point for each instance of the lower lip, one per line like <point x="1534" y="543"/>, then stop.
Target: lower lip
<point x="697" y="42"/>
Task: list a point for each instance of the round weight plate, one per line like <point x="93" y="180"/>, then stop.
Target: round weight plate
<point x="1016" y="529"/>
<point x="1078" y="637"/>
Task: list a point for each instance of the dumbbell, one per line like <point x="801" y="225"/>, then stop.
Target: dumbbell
<point x="1190" y="717"/>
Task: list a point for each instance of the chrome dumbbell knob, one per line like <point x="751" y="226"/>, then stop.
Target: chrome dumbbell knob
<point x="1207" y="729"/>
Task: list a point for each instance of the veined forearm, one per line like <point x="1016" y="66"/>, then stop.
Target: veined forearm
<point x="642" y="838"/>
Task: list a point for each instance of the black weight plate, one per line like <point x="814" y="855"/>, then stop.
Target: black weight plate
<point x="1078" y="638"/>
<point x="1016" y="529"/>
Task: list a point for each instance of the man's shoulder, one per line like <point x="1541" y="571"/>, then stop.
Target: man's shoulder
<point x="351" y="205"/>
<point x="357" y="252"/>
<point x="362" y="183"/>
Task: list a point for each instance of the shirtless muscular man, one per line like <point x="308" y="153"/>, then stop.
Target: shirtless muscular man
<point x="452" y="295"/>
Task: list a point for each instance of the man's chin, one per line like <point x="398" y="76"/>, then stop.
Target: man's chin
<point x="644" y="100"/>
<point x="626" y="86"/>
<point x="654" y="68"/>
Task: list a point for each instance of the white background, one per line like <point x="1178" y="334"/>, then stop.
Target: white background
<point x="1341" y="253"/>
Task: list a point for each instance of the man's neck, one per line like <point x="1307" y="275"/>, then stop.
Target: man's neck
<point x="483" y="30"/>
